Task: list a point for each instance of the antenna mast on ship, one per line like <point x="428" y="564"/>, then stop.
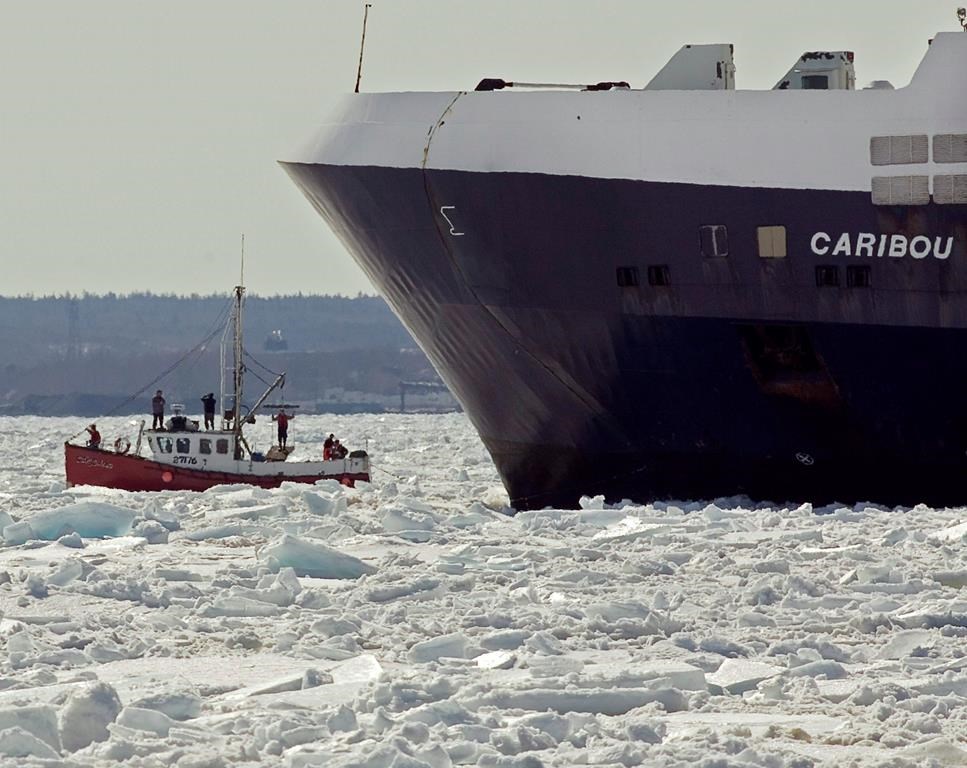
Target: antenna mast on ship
<point x="362" y="45"/>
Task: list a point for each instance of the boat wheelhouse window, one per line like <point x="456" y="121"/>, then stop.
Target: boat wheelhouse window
<point x="183" y="445"/>
<point x="221" y="445"/>
<point x="827" y="276"/>
<point x="627" y="277"/>
<point x="659" y="274"/>
<point x="164" y="444"/>
<point x="815" y="82"/>
<point x="859" y="277"/>
<point x="204" y="446"/>
<point x="714" y="239"/>
<point x="772" y="242"/>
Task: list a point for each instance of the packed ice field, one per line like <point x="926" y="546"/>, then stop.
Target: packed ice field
<point x="414" y="623"/>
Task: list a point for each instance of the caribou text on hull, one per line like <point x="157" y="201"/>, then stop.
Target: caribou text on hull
<point x="682" y="291"/>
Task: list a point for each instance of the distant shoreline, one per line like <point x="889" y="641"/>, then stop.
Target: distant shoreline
<point x="95" y="406"/>
<point x="88" y="355"/>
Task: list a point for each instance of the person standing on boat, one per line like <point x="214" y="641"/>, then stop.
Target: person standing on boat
<point x="327" y="447"/>
<point x="209" y="403"/>
<point x="283" y="421"/>
<point x="158" y="411"/>
<point x="94" y="437"/>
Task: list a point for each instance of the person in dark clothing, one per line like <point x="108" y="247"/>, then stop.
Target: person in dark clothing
<point x="327" y="448"/>
<point x="94" y="437"/>
<point x="158" y="411"/>
<point x="339" y="451"/>
<point x="209" y="403"/>
<point x="282" y="418"/>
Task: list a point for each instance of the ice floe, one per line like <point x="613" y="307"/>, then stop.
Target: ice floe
<point x="412" y="622"/>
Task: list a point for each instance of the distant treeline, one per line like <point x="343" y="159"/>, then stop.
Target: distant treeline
<point x="37" y="329"/>
<point x="112" y="346"/>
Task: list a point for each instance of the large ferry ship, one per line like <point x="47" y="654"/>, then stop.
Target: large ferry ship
<point x="682" y="291"/>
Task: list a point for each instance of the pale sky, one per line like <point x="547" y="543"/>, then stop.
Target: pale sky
<point x="139" y="140"/>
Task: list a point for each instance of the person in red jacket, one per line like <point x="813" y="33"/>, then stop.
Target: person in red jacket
<point x="93" y="437"/>
<point x="327" y="448"/>
<point x="282" y="418"/>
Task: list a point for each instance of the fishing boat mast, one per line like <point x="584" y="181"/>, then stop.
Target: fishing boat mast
<point x="238" y="370"/>
<point x="235" y="418"/>
<point x="237" y="355"/>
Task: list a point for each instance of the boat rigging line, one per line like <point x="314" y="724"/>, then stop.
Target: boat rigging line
<point x="249" y="355"/>
<point x="198" y="348"/>
<point x="276" y="374"/>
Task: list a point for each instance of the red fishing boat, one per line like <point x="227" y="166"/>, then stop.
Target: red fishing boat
<point x="181" y="457"/>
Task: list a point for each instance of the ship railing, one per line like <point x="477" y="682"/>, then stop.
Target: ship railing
<point x="496" y="84"/>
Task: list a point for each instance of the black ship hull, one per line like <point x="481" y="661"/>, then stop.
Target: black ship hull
<point x="599" y="348"/>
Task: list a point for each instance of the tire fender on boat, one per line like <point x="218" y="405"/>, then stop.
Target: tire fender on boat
<point x="122" y="445"/>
